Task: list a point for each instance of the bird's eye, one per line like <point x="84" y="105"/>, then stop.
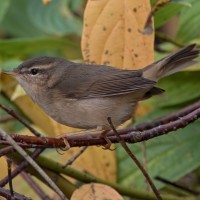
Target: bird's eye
<point x="34" y="71"/>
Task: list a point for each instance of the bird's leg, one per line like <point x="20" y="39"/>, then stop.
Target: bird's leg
<point x="65" y="135"/>
<point x="104" y="136"/>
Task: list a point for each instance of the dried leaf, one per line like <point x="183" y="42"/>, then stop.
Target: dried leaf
<point x="18" y="92"/>
<point x="112" y="33"/>
<point x="98" y="162"/>
<point x="96" y="191"/>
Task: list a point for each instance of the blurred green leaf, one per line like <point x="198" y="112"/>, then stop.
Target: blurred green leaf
<point x="76" y="5"/>
<point x="4" y="5"/>
<point x="180" y="88"/>
<point x="183" y="2"/>
<point x="189" y="23"/>
<point x="10" y="64"/>
<point x="33" y="19"/>
<point x="24" y="47"/>
<point x="17" y="21"/>
<point x="62" y="22"/>
<point x="175" y="154"/>
<point x="166" y="13"/>
<point x="170" y="156"/>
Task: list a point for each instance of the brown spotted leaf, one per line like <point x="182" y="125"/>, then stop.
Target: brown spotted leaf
<point x="96" y="191"/>
<point x="95" y="160"/>
<point x="112" y="33"/>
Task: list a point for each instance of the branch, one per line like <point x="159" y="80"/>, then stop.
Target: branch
<point x="6" y="119"/>
<point x="9" y="163"/>
<point x="6" y="150"/>
<point x="33" y="163"/>
<point x="6" y="193"/>
<point x="16" y="116"/>
<point x="57" y="168"/>
<point x="35" y="186"/>
<point x="128" y="135"/>
<point x="136" y="161"/>
<point x="71" y="160"/>
<point x="166" y="38"/>
<point x="20" y="167"/>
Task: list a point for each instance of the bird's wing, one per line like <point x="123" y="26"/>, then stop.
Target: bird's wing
<point x="103" y="82"/>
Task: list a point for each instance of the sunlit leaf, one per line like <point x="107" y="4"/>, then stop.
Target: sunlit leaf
<point x="18" y="92"/>
<point x="112" y="33"/>
<point x="97" y="161"/>
<point x="96" y="191"/>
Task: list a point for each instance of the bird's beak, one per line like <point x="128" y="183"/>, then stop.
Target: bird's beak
<point x="10" y="72"/>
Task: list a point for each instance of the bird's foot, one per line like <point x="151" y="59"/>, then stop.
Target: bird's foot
<point x="104" y="136"/>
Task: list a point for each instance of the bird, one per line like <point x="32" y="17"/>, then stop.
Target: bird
<point x="85" y="95"/>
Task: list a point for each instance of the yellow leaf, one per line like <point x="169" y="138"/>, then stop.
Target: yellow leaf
<point x="18" y="92"/>
<point x="112" y="33"/>
<point x="3" y="167"/>
<point x="96" y="191"/>
<point x="96" y="161"/>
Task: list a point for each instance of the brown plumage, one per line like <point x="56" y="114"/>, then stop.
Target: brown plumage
<point x="84" y="96"/>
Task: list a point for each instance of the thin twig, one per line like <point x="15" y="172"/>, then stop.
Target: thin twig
<point x="163" y="180"/>
<point x="16" y="116"/>
<point x="136" y="161"/>
<point x="35" y="186"/>
<point x="71" y="160"/>
<point x="32" y="163"/>
<point x="161" y="120"/>
<point x="6" y="193"/>
<point x="162" y="126"/>
<point x="5" y="150"/>
<point x="148" y="27"/>
<point x="94" y="139"/>
<point x="21" y="167"/>
<point x="6" y="119"/>
<point x="9" y="163"/>
<point x="144" y="151"/>
<point x="166" y="38"/>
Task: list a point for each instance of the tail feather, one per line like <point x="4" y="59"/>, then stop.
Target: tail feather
<point x="172" y="63"/>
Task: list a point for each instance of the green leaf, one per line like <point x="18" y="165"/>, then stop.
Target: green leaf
<point x="169" y="156"/>
<point x="181" y="88"/>
<point x="54" y="18"/>
<point x="189" y="20"/>
<point x="4" y="5"/>
<point x="166" y="13"/>
<point x="33" y="18"/>
<point x="25" y="47"/>
<point x="175" y="154"/>
<point x="17" y="22"/>
<point x="183" y="2"/>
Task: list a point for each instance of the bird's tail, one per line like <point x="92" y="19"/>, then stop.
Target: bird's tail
<point x="172" y="63"/>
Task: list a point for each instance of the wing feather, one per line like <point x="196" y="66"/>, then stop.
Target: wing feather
<point x="102" y="81"/>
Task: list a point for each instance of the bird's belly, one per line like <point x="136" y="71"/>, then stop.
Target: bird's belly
<point x="92" y="113"/>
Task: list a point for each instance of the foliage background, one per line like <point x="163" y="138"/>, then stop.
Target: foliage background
<point x="30" y="28"/>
